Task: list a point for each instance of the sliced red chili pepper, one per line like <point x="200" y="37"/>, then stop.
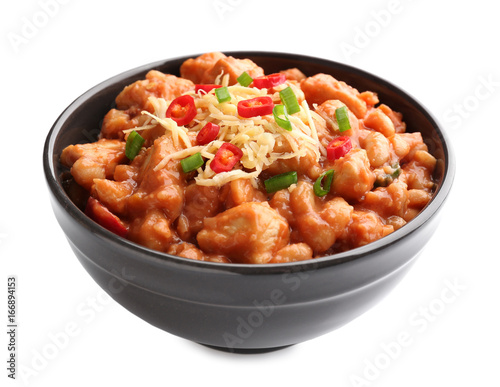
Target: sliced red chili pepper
<point x="269" y="81"/>
<point x="182" y="110"/>
<point x="338" y="148"/>
<point x="259" y="106"/>
<point x="100" y="214"/>
<point x="226" y="158"/>
<point x="206" y="88"/>
<point x="208" y="133"/>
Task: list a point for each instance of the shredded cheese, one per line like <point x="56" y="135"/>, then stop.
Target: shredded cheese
<point x="259" y="138"/>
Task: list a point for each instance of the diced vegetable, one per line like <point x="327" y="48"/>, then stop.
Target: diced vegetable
<point x="342" y="116"/>
<point x="386" y="179"/>
<point x="226" y="158"/>
<point x="244" y="79"/>
<point x="182" y="110"/>
<point x="101" y="215"/>
<point x="192" y="163"/>
<point x="290" y="100"/>
<point x="397" y="171"/>
<point x="206" y="88"/>
<point x="222" y="94"/>
<point x="259" y="106"/>
<point x="281" y="181"/>
<point x="269" y="81"/>
<point x="133" y="145"/>
<point x="338" y="148"/>
<point x="281" y="117"/>
<point x="326" y="180"/>
<point x="208" y="133"/>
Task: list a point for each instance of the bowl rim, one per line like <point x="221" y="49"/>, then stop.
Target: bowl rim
<point x="157" y="257"/>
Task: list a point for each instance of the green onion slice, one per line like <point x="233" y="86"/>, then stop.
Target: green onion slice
<point x="222" y="94"/>
<point x="281" y="181"/>
<point x="327" y="177"/>
<point x="133" y="145"/>
<point x="244" y="79"/>
<point x="192" y="163"/>
<point x="289" y="100"/>
<point x="278" y="111"/>
<point x="342" y="116"/>
<point x="388" y="177"/>
<point x="397" y="171"/>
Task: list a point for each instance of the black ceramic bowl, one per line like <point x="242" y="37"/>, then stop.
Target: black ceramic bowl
<point x="242" y="307"/>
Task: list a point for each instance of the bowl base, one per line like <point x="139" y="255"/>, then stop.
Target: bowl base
<point x="245" y="351"/>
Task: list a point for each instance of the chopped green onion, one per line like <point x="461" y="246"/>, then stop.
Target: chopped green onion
<point x="133" y="145"/>
<point x="192" y="162"/>
<point x="281" y="181"/>
<point x="289" y="100"/>
<point x="342" y="116"/>
<point x="244" y="79"/>
<point x="382" y="181"/>
<point x="327" y="177"/>
<point x="397" y="171"/>
<point x="280" y="110"/>
<point x="222" y="94"/>
<point x="387" y="178"/>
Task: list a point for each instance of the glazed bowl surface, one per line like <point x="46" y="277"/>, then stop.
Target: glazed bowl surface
<point x="243" y="307"/>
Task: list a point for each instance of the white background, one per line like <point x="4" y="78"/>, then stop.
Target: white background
<point x="443" y="53"/>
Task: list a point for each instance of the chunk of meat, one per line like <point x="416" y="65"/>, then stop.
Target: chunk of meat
<point x="113" y="194"/>
<point x="379" y="121"/>
<point x="158" y="188"/>
<point x="353" y="177"/>
<point x="425" y="159"/>
<point x="377" y="146"/>
<point x="293" y="74"/>
<point x="322" y="87"/>
<point x="249" y="233"/>
<point x="200" y="202"/>
<point x="166" y="197"/>
<point x="116" y="121"/>
<point x="188" y="250"/>
<point x="185" y="250"/>
<point x="306" y="165"/>
<point x="293" y="253"/>
<point x="369" y="97"/>
<point x="157" y="85"/>
<point x="95" y="160"/>
<point x="395" y="117"/>
<point x="327" y="111"/>
<point x="415" y="143"/>
<point x="418" y="172"/>
<point x="418" y="198"/>
<point x="124" y="172"/>
<point x="281" y="203"/>
<point x="325" y="135"/>
<point x="240" y="191"/>
<point x="152" y="230"/>
<point x="396" y="222"/>
<point x="388" y="201"/>
<point x="365" y="227"/>
<point x="234" y="68"/>
<point x="148" y="161"/>
<point x="399" y="145"/>
<point x="418" y="175"/>
<point x="319" y="222"/>
<point x="194" y="69"/>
